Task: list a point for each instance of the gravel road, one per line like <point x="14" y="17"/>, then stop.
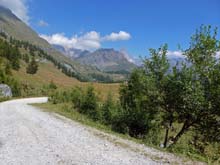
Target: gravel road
<point x="29" y="136"/>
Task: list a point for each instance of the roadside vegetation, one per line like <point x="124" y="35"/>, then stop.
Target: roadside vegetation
<point x="175" y="108"/>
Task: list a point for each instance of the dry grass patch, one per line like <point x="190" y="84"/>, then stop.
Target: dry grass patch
<point x="48" y="72"/>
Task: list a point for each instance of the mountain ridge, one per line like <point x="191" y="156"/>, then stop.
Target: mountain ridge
<point x="105" y="59"/>
<point x="14" y="27"/>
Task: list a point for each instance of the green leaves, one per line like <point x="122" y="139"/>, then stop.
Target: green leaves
<point x="158" y="65"/>
<point x="11" y="53"/>
<point x="138" y="99"/>
<point x="90" y="104"/>
<point x="203" y="48"/>
<point x="189" y="95"/>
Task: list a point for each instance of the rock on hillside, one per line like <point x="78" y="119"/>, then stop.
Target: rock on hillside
<point x="5" y="91"/>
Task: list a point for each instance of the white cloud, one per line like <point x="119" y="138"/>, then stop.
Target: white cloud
<point x="87" y="41"/>
<point x="127" y="56"/>
<point x="42" y="23"/>
<point x="122" y="35"/>
<point x="218" y="54"/>
<point x="179" y="54"/>
<point x="18" y="7"/>
<point x="175" y="54"/>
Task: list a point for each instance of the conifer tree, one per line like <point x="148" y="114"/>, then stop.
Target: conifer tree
<point x="32" y="67"/>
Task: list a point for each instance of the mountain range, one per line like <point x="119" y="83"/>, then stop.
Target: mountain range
<point x="90" y="66"/>
<point x="106" y="60"/>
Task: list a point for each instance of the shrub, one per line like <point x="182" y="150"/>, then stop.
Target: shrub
<point x="77" y="95"/>
<point x="32" y="67"/>
<point x="90" y="104"/>
<point x="119" y="120"/>
<point x="108" y="109"/>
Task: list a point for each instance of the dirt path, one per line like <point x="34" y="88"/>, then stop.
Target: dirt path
<point x="30" y="136"/>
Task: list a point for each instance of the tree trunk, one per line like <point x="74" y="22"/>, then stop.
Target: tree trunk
<point x="185" y="127"/>
<point x="167" y="134"/>
<point x="166" y="138"/>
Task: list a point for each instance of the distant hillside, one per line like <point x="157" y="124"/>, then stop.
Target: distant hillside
<point x="107" y="60"/>
<point x="14" y="27"/>
<point x="72" y="53"/>
<point x="48" y="73"/>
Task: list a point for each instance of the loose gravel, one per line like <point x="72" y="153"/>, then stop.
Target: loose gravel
<point x="29" y="136"/>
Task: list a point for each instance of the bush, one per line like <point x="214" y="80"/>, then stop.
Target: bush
<point x="59" y="97"/>
<point x="90" y="104"/>
<point x="54" y="97"/>
<point x="119" y="120"/>
<point x="32" y="67"/>
<point x="52" y="85"/>
<point x="77" y="96"/>
<point x="107" y="110"/>
<point x="137" y="98"/>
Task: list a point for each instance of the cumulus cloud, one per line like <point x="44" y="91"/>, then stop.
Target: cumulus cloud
<point x="42" y="23"/>
<point x="175" y="54"/>
<point x="18" y="7"/>
<point x="122" y="35"/>
<point x="87" y="41"/>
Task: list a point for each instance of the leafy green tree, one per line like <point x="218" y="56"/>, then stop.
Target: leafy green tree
<point x="90" y="104"/>
<point x="201" y="83"/>
<point x="77" y="96"/>
<point x="108" y="109"/>
<point x="32" y="67"/>
<point x="119" y="120"/>
<point x="11" y="53"/>
<point x="6" y="78"/>
<point x="138" y="99"/>
<point x="188" y="94"/>
<point x="158" y="67"/>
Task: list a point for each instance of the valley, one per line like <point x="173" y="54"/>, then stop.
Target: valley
<point x="66" y="88"/>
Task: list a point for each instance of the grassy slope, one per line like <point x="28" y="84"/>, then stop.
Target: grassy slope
<point x="48" y="72"/>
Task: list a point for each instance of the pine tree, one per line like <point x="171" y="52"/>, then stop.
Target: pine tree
<point x="32" y="66"/>
<point x="90" y="104"/>
<point x="107" y="109"/>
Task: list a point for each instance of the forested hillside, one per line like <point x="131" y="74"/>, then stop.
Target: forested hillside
<point x="29" y="70"/>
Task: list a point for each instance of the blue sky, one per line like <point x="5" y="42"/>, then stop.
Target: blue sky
<point x="149" y="23"/>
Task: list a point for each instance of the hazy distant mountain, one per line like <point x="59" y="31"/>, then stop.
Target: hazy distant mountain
<point x="107" y="60"/>
<point x="72" y="53"/>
